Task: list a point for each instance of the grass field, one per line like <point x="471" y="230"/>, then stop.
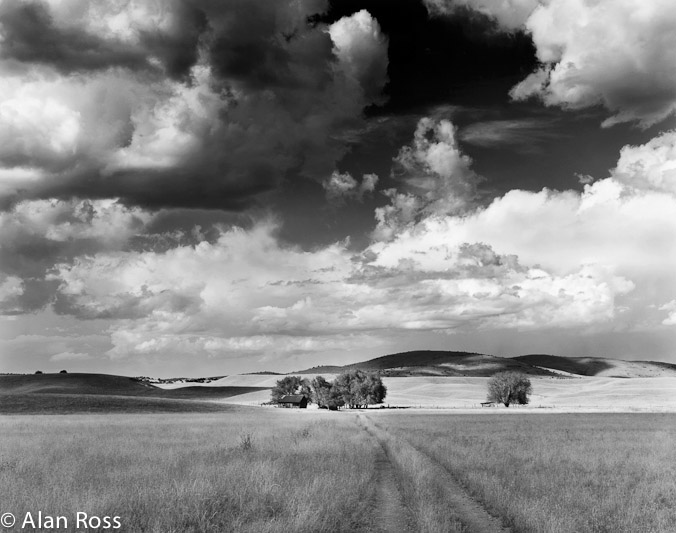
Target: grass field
<point x="554" y="473"/>
<point x="275" y="470"/>
<point x="244" y="470"/>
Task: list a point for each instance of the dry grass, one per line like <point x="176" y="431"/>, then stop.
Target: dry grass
<point x="421" y="486"/>
<point x="556" y="473"/>
<point x="269" y="470"/>
<point x="249" y="470"/>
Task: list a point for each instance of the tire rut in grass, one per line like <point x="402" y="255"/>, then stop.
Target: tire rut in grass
<point x="391" y="513"/>
<point x="474" y="517"/>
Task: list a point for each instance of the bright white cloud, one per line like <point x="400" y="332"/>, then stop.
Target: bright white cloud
<point x="651" y="166"/>
<point x="36" y="130"/>
<point x="618" y="53"/>
<point x="602" y="259"/>
<point x="239" y="293"/>
<point x="342" y="185"/>
<point x="36" y="234"/>
<point x="436" y="176"/>
<point x="670" y="307"/>
<point x="361" y="49"/>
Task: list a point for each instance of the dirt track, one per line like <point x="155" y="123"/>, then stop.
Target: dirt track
<point x="390" y="508"/>
<point x="391" y="513"/>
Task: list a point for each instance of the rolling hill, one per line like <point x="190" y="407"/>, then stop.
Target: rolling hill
<point x="436" y="363"/>
<point x="414" y="379"/>
<point x="47" y="393"/>
<point x="600" y="367"/>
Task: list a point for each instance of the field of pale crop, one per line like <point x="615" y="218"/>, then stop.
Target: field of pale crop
<point x="278" y="470"/>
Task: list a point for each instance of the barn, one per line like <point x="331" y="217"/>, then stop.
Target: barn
<point x="293" y="400"/>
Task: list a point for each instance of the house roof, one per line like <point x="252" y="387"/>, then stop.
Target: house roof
<point x="292" y="398"/>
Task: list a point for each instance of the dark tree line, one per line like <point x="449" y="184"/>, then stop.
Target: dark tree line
<point x="354" y="389"/>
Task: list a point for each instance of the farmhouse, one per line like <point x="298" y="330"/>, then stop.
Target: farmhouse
<point x="293" y="400"/>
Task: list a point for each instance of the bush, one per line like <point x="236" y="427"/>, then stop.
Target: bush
<point x="509" y="387"/>
<point x="63" y="372"/>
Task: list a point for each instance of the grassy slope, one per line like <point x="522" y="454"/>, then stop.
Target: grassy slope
<point x="64" y="404"/>
<point x="436" y="363"/>
<point x="67" y="393"/>
<point x="597" y="366"/>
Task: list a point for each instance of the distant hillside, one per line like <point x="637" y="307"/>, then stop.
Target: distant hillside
<point x="435" y="363"/>
<point x="105" y="393"/>
<point x="602" y="367"/>
<point x="324" y="369"/>
<point x="60" y="404"/>
<point x="74" y="384"/>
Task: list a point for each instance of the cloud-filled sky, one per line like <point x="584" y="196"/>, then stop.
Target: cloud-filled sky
<point x="200" y="187"/>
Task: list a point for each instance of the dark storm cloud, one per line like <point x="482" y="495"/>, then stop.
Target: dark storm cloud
<point x="259" y="44"/>
<point x="434" y="60"/>
<point x="256" y="92"/>
<point x="178" y="48"/>
<point x="30" y="36"/>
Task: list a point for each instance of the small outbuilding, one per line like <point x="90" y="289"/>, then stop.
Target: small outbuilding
<point x="294" y="400"/>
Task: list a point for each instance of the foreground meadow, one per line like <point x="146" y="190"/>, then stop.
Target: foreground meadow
<point x="251" y="470"/>
<point x="274" y="470"/>
<point x="551" y="473"/>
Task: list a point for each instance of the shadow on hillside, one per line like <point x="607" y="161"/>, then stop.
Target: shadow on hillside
<point x="583" y="366"/>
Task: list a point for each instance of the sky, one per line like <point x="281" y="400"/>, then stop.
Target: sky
<point x="208" y="187"/>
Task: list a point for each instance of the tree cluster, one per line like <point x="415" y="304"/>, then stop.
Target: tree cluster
<point x="509" y="387"/>
<point x="354" y="389"/>
<point x="290" y="385"/>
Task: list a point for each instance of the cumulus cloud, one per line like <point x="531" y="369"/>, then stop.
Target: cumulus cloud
<point x="670" y="307"/>
<point x="615" y="53"/>
<point x="342" y="185"/>
<point x="651" y="166"/>
<point x="246" y="292"/>
<point x="180" y="104"/>
<point x="34" y="235"/>
<point x="31" y="35"/>
<point x="436" y="178"/>
<point x="362" y="51"/>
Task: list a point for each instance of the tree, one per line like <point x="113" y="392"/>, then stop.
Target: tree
<point x="509" y="387"/>
<point x="321" y="391"/>
<point x="335" y="397"/>
<point x="360" y="389"/>
<point x="290" y="385"/>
